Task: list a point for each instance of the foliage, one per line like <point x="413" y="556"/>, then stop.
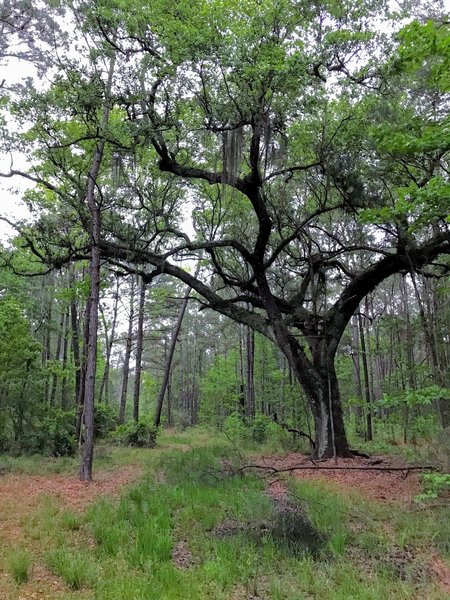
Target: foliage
<point x="219" y="390"/>
<point x="141" y="434"/>
<point x="235" y="429"/>
<point x="418" y="397"/>
<point x="21" y="379"/>
<point x="105" y="419"/>
<point x="55" y="433"/>
<point x="435" y="484"/>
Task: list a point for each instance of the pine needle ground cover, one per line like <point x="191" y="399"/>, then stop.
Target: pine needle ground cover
<point x="191" y="528"/>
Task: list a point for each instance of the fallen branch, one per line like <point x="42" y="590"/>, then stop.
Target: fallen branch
<point x="274" y="470"/>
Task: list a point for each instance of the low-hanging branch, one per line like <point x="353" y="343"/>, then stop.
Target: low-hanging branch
<point x="293" y="430"/>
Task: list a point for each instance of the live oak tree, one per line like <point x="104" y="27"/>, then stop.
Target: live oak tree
<point x="278" y="122"/>
<point x="314" y="164"/>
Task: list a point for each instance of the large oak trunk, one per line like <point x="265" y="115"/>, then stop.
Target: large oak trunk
<point x="321" y="386"/>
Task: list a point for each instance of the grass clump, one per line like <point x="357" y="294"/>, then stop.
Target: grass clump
<point x="18" y="562"/>
<point x="73" y="566"/>
<point x="190" y="529"/>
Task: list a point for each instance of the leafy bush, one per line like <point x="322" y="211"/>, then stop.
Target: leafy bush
<point x="50" y="433"/>
<point x="141" y="434"/>
<point x="260" y="428"/>
<point x="105" y="420"/>
<point x="434" y="484"/>
<point x="235" y="428"/>
<point x="55" y="434"/>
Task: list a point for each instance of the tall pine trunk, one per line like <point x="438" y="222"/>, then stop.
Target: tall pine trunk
<point x="169" y="357"/>
<point x="126" y="360"/>
<point x="139" y="346"/>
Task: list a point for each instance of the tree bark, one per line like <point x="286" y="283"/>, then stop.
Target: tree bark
<point x="59" y="342"/>
<point x="94" y="272"/>
<point x="369" y="432"/>
<point x="139" y="345"/>
<point x="83" y="363"/>
<point x="169" y="358"/>
<point x="250" y="370"/>
<point x="126" y="360"/>
<point x="109" y="340"/>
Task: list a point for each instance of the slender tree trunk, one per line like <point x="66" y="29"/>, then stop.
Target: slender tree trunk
<point x="83" y="363"/>
<point x="109" y="340"/>
<point x="169" y="400"/>
<point x="443" y="404"/>
<point x="369" y="432"/>
<point x="170" y="353"/>
<point x="94" y="272"/>
<point x="357" y="373"/>
<point x="250" y="371"/>
<point x="104" y="386"/>
<point x="57" y="357"/>
<point x="64" y="360"/>
<point x="139" y="344"/>
<point x="126" y="360"/>
<point x="75" y="335"/>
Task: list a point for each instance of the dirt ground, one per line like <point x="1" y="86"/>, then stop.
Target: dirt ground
<point x="383" y="486"/>
<point x="20" y="496"/>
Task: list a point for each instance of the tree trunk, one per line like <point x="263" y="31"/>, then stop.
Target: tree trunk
<point x="250" y="370"/>
<point x="169" y="358"/>
<point x="126" y="360"/>
<point x="91" y="362"/>
<point x="75" y="334"/>
<point x="64" y="362"/>
<point x="322" y="391"/>
<point x="109" y="339"/>
<point x="369" y="432"/>
<point x="139" y="344"/>
<point x="59" y="341"/>
<point x="316" y="376"/>
<point x="94" y="272"/>
<point x="83" y="362"/>
<point x="443" y="404"/>
<point x="357" y="374"/>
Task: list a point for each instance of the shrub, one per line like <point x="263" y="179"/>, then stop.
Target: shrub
<point x="54" y="434"/>
<point x="434" y="484"/>
<point x="141" y="434"/>
<point x="105" y="420"/>
<point x="235" y="428"/>
<point x="260" y="428"/>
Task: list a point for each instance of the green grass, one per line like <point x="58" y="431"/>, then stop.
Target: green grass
<point x="75" y="567"/>
<point x="18" y="563"/>
<point x="332" y="547"/>
<point x="36" y="464"/>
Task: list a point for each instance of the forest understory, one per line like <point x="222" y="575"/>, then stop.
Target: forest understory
<point x="224" y="300"/>
<point x="185" y="520"/>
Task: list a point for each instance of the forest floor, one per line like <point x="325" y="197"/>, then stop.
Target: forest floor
<point x="182" y="521"/>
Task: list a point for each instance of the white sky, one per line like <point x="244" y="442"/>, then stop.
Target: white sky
<point x="12" y="189"/>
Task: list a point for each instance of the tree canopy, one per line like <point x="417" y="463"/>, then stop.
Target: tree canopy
<point x="299" y="149"/>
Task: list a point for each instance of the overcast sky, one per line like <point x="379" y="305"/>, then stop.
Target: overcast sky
<point x="10" y="203"/>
